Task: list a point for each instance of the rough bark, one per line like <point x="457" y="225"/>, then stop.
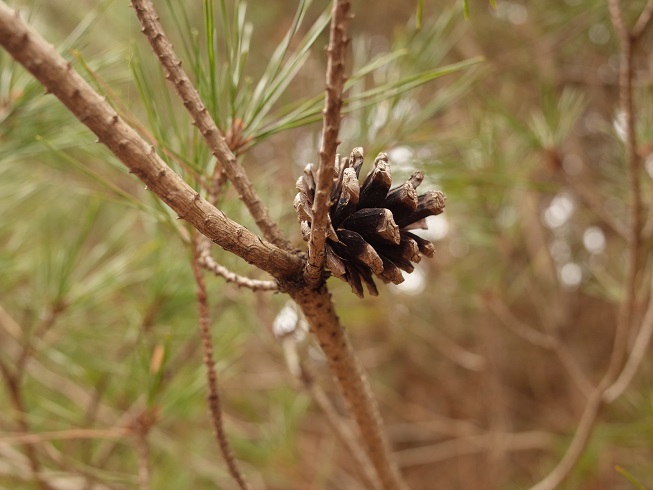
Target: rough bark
<point x="343" y="363"/>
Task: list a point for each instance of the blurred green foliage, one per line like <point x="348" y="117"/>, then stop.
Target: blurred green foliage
<point x="98" y="318"/>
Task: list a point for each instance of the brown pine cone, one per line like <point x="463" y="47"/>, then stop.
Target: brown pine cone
<point x="369" y="224"/>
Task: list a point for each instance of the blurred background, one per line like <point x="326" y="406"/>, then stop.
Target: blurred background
<point x="482" y="360"/>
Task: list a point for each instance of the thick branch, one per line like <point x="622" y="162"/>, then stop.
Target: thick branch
<point x="60" y="79"/>
<point x="340" y="426"/>
<point x="343" y="363"/>
<point x="151" y="27"/>
<point x="335" y="81"/>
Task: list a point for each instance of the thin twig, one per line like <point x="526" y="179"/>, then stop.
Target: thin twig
<point x="44" y="326"/>
<point x="12" y="382"/>
<point x="627" y="307"/>
<point x="539" y="339"/>
<point x="577" y="445"/>
<point x="65" y="435"/>
<point x="481" y="443"/>
<point x="142" y="429"/>
<point x="153" y="30"/>
<point x="207" y="262"/>
<point x="635" y="358"/>
<point x="335" y="82"/>
<point x="643" y="22"/>
<point x="211" y="374"/>
<point x="628" y="304"/>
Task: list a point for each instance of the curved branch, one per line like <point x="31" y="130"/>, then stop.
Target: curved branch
<point x="637" y="354"/>
<point x="152" y="29"/>
<point x="215" y="405"/>
<point x="207" y="262"/>
<point x="612" y="383"/>
<point x="59" y="78"/>
<point x="627" y="308"/>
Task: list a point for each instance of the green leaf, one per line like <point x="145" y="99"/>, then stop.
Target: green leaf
<point x="419" y="14"/>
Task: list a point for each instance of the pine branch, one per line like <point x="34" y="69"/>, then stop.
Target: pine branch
<point x="59" y="78"/>
<point x="637" y="355"/>
<point x="335" y="81"/>
<point x="340" y="426"/>
<point x="12" y="383"/>
<point x="211" y="374"/>
<point x="345" y="367"/>
<point x="627" y="308"/>
<point x="153" y="30"/>
<point x="612" y="383"/>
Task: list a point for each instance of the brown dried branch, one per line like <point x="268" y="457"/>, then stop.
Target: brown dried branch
<point x="207" y="262"/>
<point x="65" y="435"/>
<point x="628" y="304"/>
<point x="540" y="339"/>
<point x="211" y="374"/>
<point x="643" y="22"/>
<point x="44" y="326"/>
<point x="12" y="383"/>
<point x="577" y="445"/>
<point x="482" y="443"/>
<point x="152" y="28"/>
<point x="141" y="427"/>
<point x="344" y="365"/>
<point x="335" y="81"/>
<point x="627" y="309"/>
<point x="60" y="79"/>
<point x="637" y="353"/>
<point x="340" y="426"/>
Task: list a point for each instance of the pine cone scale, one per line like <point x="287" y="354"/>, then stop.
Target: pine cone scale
<point x="368" y="223"/>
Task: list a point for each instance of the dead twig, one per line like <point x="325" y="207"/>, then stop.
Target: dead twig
<point x="12" y="383"/>
<point x="627" y="309"/>
<point x="65" y="435"/>
<point x="207" y="262"/>
<point x="455" y="448"/>
<point x="635" y="358"/>
<point x="540" y="339"/>
<point x="628" y="304"/>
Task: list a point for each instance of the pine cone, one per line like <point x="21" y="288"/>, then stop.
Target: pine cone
<point x="369" y="224"/>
